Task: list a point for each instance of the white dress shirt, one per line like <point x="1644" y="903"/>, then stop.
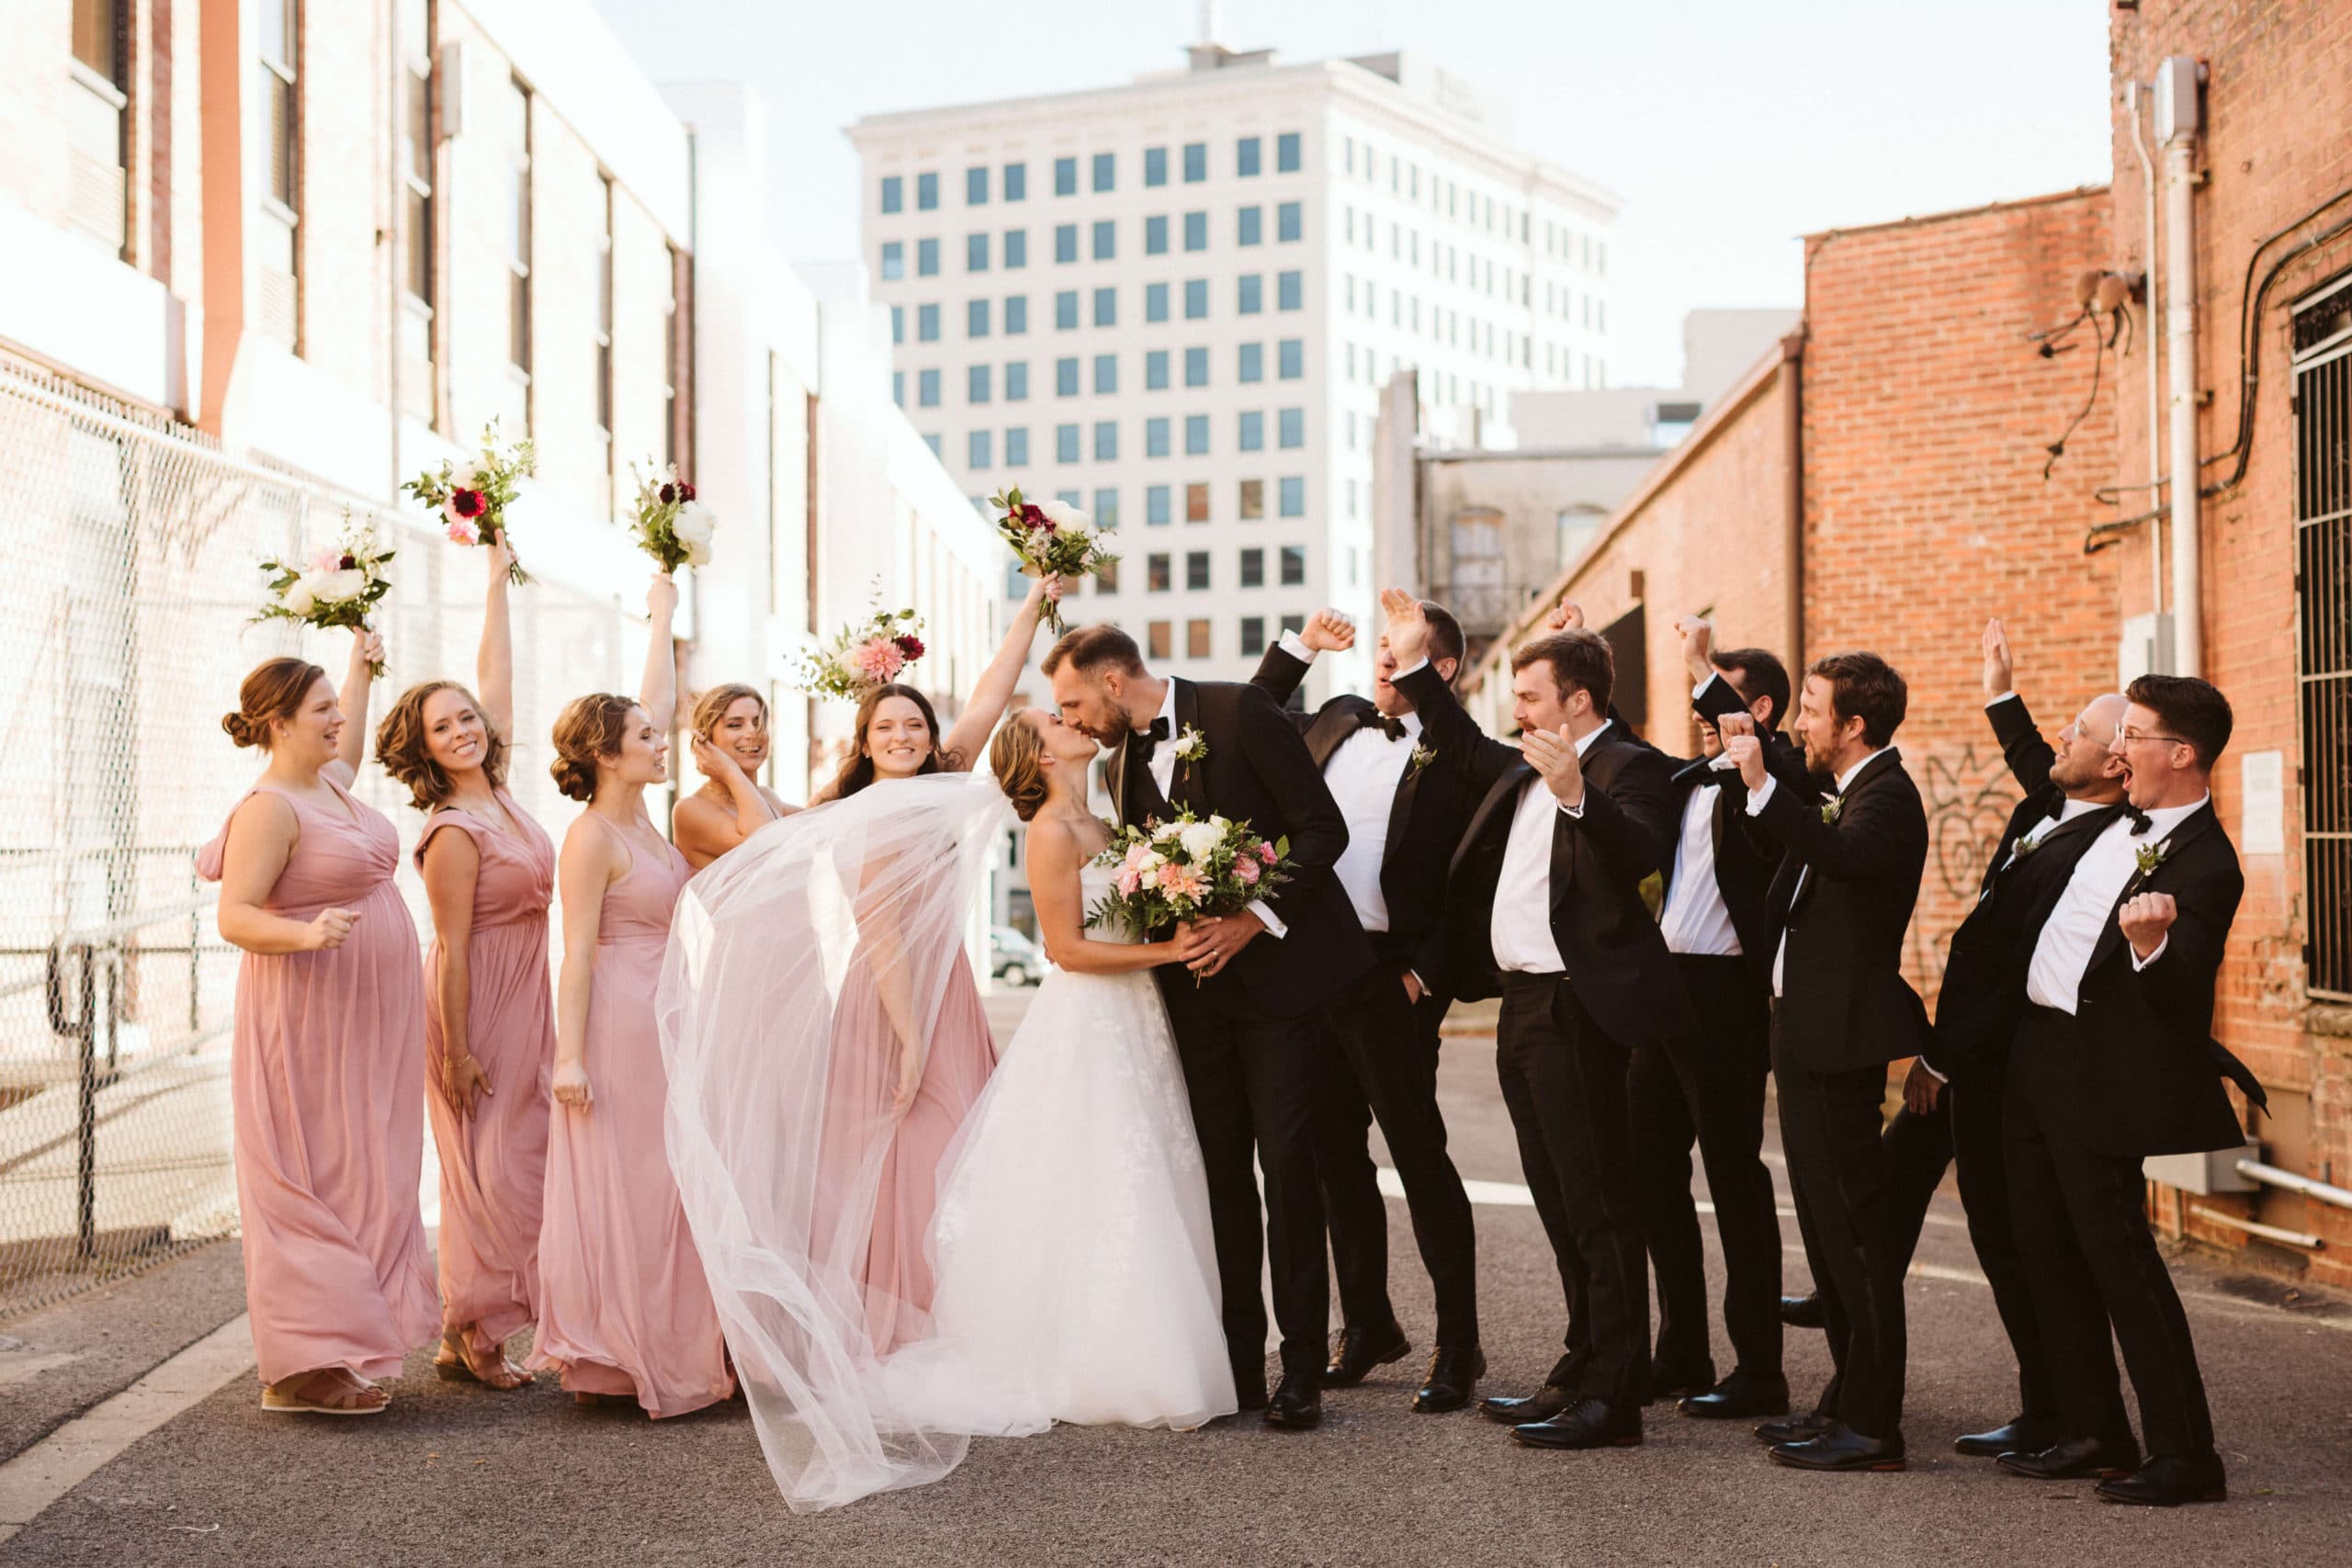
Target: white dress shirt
<point x="1520" y="926"/>
<point x="1363" y="775"/>
<point x="1756" y="799"/>
<point x="1162" y="767"/>
<point x="1697" y="921"/>
<point x="2061" y="953"/>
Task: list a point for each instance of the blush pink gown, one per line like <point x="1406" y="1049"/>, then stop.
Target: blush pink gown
<point x="326" y="1087"/>
<point x="624" y="1308"/>
<point x="494" y="1164"/>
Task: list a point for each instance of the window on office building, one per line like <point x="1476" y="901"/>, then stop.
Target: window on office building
<point x="1158" y="505"/>
<point x="1293" y="496"/>
<point x="976" y="187"/>
<point x="1196" y="366"/>
<point x="1155" y="165"/>
<point x="1065" y="242"/>
<point x="1290" y="427"/>
<point x="1155" y="235"/>
<point x="1016" y="315"/>
<point x="894" y="193"/>
<point x="1291" y="352"/>
<point x="1287" y="152"/>
<point x="1196" y="298"/>
<point x="1196" y="503"/>
<point x="1106" y="441"/>
<point x="1155" y="370"/>
<point x="1253" y="500"/>
<point x="1290" y="292"/>
<point x="1253" y="568"/>
<point x="1290" y="222"/>
<point x="1107" y="240"/>
<point x="1252" y="436"/>
<point x="1066" y="443"/>
<point x="1065" y="177"/>
<point x="927" y="389"/>
<point x="926" y="323"/>
<point x="1196" y="434"/>
<point x="976" y="253"/>
<point x="1253" y="361"/>
<point x="1106" y="508"/>
<point x="1107" y="307"/>
<point x="1016" y="182"/>
<point x="1106" y="373"/>
<point x="1196" y="638"/>
<point x="1066" y="376"/>
<point x="977" y="379"/>
<point x="926" y="192"/>
<point x="1155" y="436"/>
<point x="1294" y="565"/>
<point x="1016" y="446"/>
<point x="1249" y="228"/>
<point x="1196" y="162"/>
<point x="1154" y="301"/>
<point x="1066" y="309"/>
<point x="1157" y="573"/>
<point x="1156" y="639"/>
<point x="894" y="261"/>
<point x="1016" y="248"/>
<point x="926" y="258"/>
<point x="1246" y="154"/>
<point x="898" y="323"/>
<point x="976" y="449"/>
<point x="1196" y="231"/>
<point x="1016" y="381"/>
<point x="1106" y="167"/>
<point x="976" y="318"/>
<point x="1253" y="635"/>
<point x="1196" y="570"/>
<point x="1251" y="293"/>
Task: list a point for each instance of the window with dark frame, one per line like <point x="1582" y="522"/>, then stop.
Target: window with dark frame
<point x="2322" y="364"/>
<point x="277" y="36"/>
<point x="97" y="123"/>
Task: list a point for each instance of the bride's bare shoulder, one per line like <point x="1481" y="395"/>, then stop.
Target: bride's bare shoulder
<point x="1066" y="841"/>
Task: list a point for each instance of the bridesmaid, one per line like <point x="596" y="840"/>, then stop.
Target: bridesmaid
<point x="625" y="1313"/>
<point x="327" y="1066"/>
<point x="731" y="741"/>
<point x="490" y="1021"/>
<point x="898" y="737"/>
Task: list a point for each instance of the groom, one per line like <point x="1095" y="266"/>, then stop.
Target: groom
<point x="1243" y="1002"/>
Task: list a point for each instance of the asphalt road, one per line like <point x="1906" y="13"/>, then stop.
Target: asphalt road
<point x="455" y="1475"/>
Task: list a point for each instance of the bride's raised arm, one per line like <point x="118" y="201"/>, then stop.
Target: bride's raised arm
<point x="1055" y="854"/>
<point x="994" y="688"/>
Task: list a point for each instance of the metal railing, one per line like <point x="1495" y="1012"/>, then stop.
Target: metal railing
<point x="129" y="549"/>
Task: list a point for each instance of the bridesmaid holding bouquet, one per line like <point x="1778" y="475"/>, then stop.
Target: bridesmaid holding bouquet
<point x="327" y="1064"/>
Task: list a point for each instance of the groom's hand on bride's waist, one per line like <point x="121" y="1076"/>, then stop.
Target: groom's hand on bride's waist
<point x="1207" y="946"/>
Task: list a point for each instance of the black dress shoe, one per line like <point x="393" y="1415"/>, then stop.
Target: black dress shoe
<point x="1587" y="1424"/>
<point x="1796" y="1429"/>
<point x="1541" y="1405"/>
<point x="2168" y="1480"/>
<point x="2074" y="1457"/>
<point x="1361" y="1350"/>
<point x="1453" y="1378"/>
<point x="1740" y="1398"/>
<point x="1297" y="1403"/>
<point x="1842" y="1449"/>
<point x="2018" y="1437"/>
<point x="1802" y="1311"/>
<point x="1673" y="1382"/>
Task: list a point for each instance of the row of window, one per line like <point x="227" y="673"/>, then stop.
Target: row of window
<point x="1102" y="240"/>
<point x="1475" y="208"/>
<point x="1070" y="444"/>
<point x="1160" y="502"/>
<point x="1160" y="573"/>
<point x="1103" y="173"/>
<point x="1100" y="307"/>
<point x="1159" y="372"/>
<point x="1159" y="636"/>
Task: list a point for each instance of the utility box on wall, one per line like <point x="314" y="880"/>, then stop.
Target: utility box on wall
<point x="2204" y="1174"/>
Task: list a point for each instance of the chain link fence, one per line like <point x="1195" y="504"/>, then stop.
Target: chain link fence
<point x="128" y="560"/>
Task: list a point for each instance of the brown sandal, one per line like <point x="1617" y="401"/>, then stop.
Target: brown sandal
<point x="346" y="1399"/>
<point x="455" y="1363"/>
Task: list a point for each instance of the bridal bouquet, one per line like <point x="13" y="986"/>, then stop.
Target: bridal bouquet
<point x="872" y="653"/>
<point x="671" y="525"/>
<point x="336" y="587"/>
<point x="1053" y="538"/>
<point x="472" y="496"/>
<point x="1187" y="869"/>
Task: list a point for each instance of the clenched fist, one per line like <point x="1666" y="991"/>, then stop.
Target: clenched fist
<point x="1741" y="745"/>
<point x="1328" y="631"/>
<point x="2145" y="919"/>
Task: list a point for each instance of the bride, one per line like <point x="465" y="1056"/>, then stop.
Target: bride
<point x="1074" y="1275"/>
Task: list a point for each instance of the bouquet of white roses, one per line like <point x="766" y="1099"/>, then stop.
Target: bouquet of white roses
<point x="671" y="525"/>
<point x="1052" y="540"/>
<point x="336" y="587"/>
<point x="472" y="496"/>
<point x="874" y="652"/>
<point x="1187" y="869"/>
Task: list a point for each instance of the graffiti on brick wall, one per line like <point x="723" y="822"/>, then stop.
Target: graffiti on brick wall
<point x="1969" y="798"/>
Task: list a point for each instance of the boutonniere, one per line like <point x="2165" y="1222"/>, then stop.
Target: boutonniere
<point x="1832" y="808"/>
<point x="2025" y="847"/>
<point x="1191" y="746"/>
<point x="2151" y="856"/>
<point x="1422" y="757"/>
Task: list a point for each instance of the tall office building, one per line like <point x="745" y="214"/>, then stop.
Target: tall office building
<point x="1174" y="303"/>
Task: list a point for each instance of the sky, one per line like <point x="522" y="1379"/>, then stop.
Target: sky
<point x="1728" y="127"/>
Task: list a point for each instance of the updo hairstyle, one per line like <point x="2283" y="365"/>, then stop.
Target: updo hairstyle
<point x="589" y="728"/>
<point x="274" y="690"/>
<point x="1017" y="757"/>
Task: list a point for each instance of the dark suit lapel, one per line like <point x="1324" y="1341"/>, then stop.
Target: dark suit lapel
<point x="1332" y="726"/>
<point x="2111" y="936"/>
<point x="1400" y="810"/>
<point x="1118" y="780"/>
<point x="1502" y="795"/>
<point x="1184" y="781"/>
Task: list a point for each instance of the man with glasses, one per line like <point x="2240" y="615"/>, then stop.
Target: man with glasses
<point x="2113" y="1060"/>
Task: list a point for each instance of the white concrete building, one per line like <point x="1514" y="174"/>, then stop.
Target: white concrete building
<point x="1174" y="303"/>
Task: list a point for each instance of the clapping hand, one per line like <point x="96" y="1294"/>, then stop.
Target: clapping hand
<point x="1741" y="745"/>
<point x="2145" y="918"/>
<point x="1409" y="630"/>
<point x="2000" y="668"/>
<point x="1554" y="760"/>
<point x="1567" y="615"/>
<point x="1328" y="631"/>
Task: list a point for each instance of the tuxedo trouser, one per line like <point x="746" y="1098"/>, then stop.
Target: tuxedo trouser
<point x="1830" y="1134"/>
<point x="2082" y="1228"/>
<point x="1564" y="1082"/>
<point x="1380" y="1056"/>
<point x="1709" y="1086"/>
<point x="1252" y="1078"/>
<point x="1966" y="1128"/>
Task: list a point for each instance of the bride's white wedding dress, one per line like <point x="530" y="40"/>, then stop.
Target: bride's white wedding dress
<point x="1076" y="1276"/>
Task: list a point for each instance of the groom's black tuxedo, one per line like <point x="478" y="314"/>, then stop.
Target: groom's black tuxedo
<point x="1246" y="1037"/>
<point x="1380" y="1051"/>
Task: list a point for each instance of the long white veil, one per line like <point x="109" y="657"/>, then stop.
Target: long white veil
<point x="796" y="965"/>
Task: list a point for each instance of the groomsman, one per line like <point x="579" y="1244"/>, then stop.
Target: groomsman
<point x="1544" y="903"/>
<point x="1841" y="1011"/>
<point x="2071" y="794"/>
<point x="2114" y="1060"/>
<point x="1379" y="1033"/>
<point x="1709" y="1085"/>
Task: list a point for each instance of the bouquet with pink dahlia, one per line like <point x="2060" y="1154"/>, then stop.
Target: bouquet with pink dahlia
<point x="871" y="653"/>
<point x="336" y="587"/>
<point x="472" y="496"/>
<point x="1187" y="869"/>
<point x="1054" y="538"/>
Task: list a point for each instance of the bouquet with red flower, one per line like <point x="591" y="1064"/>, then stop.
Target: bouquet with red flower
<point x="472" y="496"/>
<point x="336" y="587"/>
<point x="1054" y="538"/>
<point x="671" y="525"/>
<point x="874" y="652"/>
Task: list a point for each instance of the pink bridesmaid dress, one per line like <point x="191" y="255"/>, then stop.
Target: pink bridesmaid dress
<point x="623" y="1305"/>
<point x="494" y="1164"/>
<point x="326" y="1085"/>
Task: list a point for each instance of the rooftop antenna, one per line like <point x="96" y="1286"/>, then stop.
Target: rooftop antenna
<point x="1208" y="21"/>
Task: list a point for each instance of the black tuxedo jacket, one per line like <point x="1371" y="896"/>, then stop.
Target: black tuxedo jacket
<point x="1746" y="856"/>
<point x="1607" y="936"/>
<point x="2149" y="1070"/>
<point x="1258" y="770"/>
<point x="1983" y="994"/>
<point x="1425" y="819"/>
<point x="1843" y="897"/>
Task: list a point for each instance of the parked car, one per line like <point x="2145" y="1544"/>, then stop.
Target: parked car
<point x="1014" y="958"/>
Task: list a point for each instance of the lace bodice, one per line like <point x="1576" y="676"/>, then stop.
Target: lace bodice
<point x="1095" y="883"/>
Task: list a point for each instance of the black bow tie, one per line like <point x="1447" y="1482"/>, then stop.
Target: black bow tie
<point x="2141" y="820"/>
<point x="1392" y="728"/>
<point x="1148" y="737"/>
<point x="1714" y="778"/>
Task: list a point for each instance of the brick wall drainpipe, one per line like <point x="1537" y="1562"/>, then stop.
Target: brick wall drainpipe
<point x="1792" y="377"/>
<point x="2180" y="364"/>
<point x="2133" y="94"/>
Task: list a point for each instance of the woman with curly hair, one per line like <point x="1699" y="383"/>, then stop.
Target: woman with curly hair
<point x="731" y="746"/>
<point x="490" y="1020"/>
